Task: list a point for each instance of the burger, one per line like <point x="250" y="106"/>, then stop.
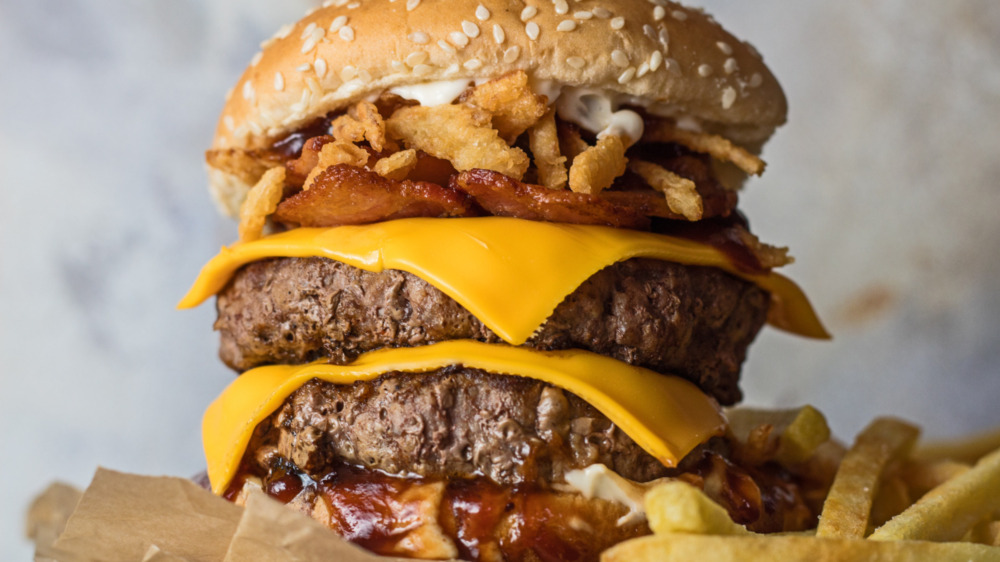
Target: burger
<point x="491" y="279"/>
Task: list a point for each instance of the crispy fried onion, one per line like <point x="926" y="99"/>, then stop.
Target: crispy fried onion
<point x="361" y="122"/>
<point x="397" y="166"/>
<point x="512" y="105"/>
<point x="681" y="193"/>
<point x="500" y="195"/>
<point x="260" y="203"/>
<point x="768" y="255"/>
<point x="543" y="138"/>
<point x="596" y="168"/>
<point x="336" y="153"/>
<point x="718" y="147"/>
<point x="460" y="134"/>
<point x="344" y="194"/>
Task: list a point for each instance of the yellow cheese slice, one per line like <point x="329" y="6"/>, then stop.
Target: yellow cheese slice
<point x="665" y="415"/>
<point x="510" y="273"/>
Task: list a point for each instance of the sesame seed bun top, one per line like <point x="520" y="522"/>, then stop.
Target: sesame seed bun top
<point x="676" y="60"/>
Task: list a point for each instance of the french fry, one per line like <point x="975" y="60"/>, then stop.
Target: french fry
<point x="681" y="193"/>
<point x="714" y="145"/>
<point x="596" y="168"/>
<point x="790" y="548"/>
<point x="848" y="505"/>
<point x="511" y="103"/>
<point x="678" y="507"/>
<point x="797" y="432"/>
<point x="967" y="450"/>
<point x="261" y="202"/>
<point x="397" y="165"/>
<point x="543" y="138"/>
<point x="457" y="133"/>
<point x="922" y="477"/>
<point x="950" y="510"/>
<point x="986" y="532"/>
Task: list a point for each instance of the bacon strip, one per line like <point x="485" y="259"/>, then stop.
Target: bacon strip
<point x="344" y="194"/>
<point x="501" y="195"/>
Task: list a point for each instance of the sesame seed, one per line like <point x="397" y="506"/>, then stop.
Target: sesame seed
<point x="353" y="5"/>
<point x="412" y="5"/>
<point x="672" y="65"/>
<point x="458" y="39"/>
<point x="473" y="64"/>
<point x="470" y="29"/>
<point x="452" y="68"/>
<point x="659" y="13"/>
<point x="348" y="73"/>
<point x="256" y="58"/>
<point x="308" y="30"/>
<point x="328" y="3"/>
<point x="617" y="23"/>
<point x="511" y="54"/>
<point x="229" y="122"/>
<point x="532" y="30"/>
<point x="283" y="31"/>
<point x="310" y="43"/>
<point x="626" y="76"/>
<point x="419" y="37"/>
<point x="562" y="7"/>
<point x="583" y="15"/>
<point x="756" y="80"/>
<point x="728" y="97"/>
<point x="482" y="14"/>
<point x="320" y="66"/>
<point x="730" y="66"/>
<point x="576" y="62"/>
<point x="724" y="47"/>
<point x="447" y="47"/>
<point x="248" y="91"/>
<point x="665" y="40"/>
<point x="619" y="57"/>
<point x="303" y="67"/>
<point x="650" y="31"/>
<point x="602" y="13"/>
<point x="566" y="25"/>
<point x="679" y="15"/>
<point x="655" y="60"/>
<point x="498" y="34"/>
<point x="398" y="66"/>
<point x="279" y="81"/>
<point x="422" y="69"/>
<point x="704" y="71"/>
<point x="337" y="23"/>
<point x="528" y="12"/>
<point x="346" y="33"/>
<point x="643" y="70"/>
<point x="416" y="57"/>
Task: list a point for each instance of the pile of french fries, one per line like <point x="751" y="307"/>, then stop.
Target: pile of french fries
<point x="890" y="500"/>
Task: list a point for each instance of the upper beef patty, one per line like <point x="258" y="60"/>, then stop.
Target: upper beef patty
<point x="695" y="322"/>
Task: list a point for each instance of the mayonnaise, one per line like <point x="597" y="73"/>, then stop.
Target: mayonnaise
<point x="599" y="481"/>
<point x="433" y="93"/>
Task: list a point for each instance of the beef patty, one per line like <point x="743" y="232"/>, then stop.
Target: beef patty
<point x="695" y="322"/>
<point x="454" y="422"/>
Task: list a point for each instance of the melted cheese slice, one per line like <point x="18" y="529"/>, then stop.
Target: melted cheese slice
<point x="665" y="415"/>
<point x="509" y="273"/>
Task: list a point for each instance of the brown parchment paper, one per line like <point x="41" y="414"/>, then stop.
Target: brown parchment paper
<point x="126" y="517"/>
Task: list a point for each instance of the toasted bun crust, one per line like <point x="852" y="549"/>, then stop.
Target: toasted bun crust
<point x="677" y="60"/>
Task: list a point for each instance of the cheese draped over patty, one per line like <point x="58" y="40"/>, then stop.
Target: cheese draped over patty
<point x="509" y="273"/>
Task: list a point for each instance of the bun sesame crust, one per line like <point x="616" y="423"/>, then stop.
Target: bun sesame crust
<point x="350" y="50"/>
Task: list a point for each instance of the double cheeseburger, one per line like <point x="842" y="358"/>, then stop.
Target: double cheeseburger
<point x="491" y="278"/>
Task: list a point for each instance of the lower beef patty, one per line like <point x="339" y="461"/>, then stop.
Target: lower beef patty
<point x="450" y="423"/>
<point x="695" y="322"/>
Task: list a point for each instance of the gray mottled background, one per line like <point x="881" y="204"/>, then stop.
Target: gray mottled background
<point x="884" y="183"/>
